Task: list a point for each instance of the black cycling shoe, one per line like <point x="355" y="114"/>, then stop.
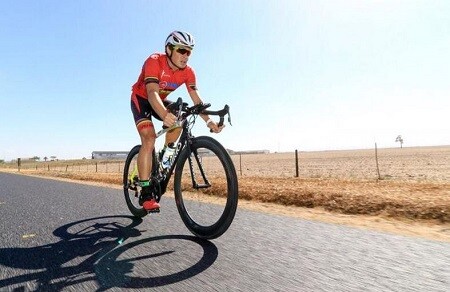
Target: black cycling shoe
<point x="144" y="196"/>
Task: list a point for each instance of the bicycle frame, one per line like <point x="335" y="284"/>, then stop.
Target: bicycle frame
<point x="163" y="178"/>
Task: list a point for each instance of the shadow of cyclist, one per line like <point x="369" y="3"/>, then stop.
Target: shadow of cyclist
<point x="110" y="269"/>
<point x="79" y="255"/>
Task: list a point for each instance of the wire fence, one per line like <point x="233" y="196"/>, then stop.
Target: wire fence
<point x="417" y="163"/>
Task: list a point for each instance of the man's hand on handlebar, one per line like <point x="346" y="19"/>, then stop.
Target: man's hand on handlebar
<point x="169" y="119"/>
<point x="214" y="127"/>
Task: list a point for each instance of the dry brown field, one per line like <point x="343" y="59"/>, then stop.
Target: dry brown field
<point x="401" y="164"/>
<point x="413" y="183"/>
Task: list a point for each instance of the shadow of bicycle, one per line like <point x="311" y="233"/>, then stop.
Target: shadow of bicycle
<point x="95" y="250"/>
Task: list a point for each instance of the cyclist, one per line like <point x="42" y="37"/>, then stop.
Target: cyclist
<point x="160" y="75"/>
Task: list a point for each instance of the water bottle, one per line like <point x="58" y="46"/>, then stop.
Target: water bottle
<point x="168" y="152"/>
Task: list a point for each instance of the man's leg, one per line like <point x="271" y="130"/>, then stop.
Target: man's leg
<point x="148" y="136"/>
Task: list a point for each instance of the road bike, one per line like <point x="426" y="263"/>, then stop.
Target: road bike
<point x="205" y="181"/>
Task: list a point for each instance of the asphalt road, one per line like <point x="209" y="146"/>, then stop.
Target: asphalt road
<point x="59" y="236"/>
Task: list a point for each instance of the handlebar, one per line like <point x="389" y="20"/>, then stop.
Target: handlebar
<point x="182" y="110"/>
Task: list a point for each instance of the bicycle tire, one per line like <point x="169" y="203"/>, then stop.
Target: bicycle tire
<point x="221" y="174"/>
<point x="131" y="188"/>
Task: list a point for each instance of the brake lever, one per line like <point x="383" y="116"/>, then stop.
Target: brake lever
<point x="228" y="112"/>
<point x="222" y="117"/>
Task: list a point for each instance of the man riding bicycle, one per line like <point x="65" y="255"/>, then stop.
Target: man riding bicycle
<point x="160" y="75"/>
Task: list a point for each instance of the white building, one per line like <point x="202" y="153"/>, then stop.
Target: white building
<point x="109" y="154"/>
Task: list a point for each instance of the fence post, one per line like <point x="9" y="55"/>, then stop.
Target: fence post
<point x="240" y="163"/>
<point x="296" y="163"/>
<point x="18" y="164"/>
<point x="376" y="160"/>
<point x="96" y="166"/>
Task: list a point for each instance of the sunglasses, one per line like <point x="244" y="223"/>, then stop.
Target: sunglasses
<point x="183" y="51"/>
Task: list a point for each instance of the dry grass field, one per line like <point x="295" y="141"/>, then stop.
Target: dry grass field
<point x="413" y="183"/>
<point x="406" y="164"/>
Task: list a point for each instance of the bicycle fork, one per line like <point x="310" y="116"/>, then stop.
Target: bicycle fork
<point x="196" y="185"/>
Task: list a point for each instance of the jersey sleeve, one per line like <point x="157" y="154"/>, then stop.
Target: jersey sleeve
<point x="191" y="83"/>
<point x="151" y="69"/>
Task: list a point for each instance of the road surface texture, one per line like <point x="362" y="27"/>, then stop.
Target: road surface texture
<point x="60" y="236"/>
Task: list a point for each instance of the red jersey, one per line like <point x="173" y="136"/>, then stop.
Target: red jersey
<point x="157" y="70"/>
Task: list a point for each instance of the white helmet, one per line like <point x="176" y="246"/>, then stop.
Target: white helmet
<point x="179" y="38"/>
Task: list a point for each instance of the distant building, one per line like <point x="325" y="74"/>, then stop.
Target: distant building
<point x="109" y="154"/>
<point x="231" y="152"/>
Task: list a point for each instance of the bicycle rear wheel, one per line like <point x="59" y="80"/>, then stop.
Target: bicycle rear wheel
<point x="131" y="187"/>
<point x="206" y="188"/>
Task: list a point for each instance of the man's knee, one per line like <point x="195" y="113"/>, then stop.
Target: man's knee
<point x="146" y="130"/>
<point x="145" y="126"/>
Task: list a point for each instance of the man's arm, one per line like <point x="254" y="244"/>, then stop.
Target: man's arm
<point x="155" y="101"/>
<point x="211" y="124"/>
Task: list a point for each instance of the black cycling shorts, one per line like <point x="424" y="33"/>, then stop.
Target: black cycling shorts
<point x="142" y="109"/>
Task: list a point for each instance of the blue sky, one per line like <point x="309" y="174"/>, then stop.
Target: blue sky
<point x="306" y="75"/>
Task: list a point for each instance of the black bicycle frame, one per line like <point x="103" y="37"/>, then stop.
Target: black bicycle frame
<point x="184" y="142"/>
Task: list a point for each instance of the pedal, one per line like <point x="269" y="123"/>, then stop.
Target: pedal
<point x="153" y="211"/>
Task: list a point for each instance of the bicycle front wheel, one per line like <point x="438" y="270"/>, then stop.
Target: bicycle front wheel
<point x="206" y="188"/>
